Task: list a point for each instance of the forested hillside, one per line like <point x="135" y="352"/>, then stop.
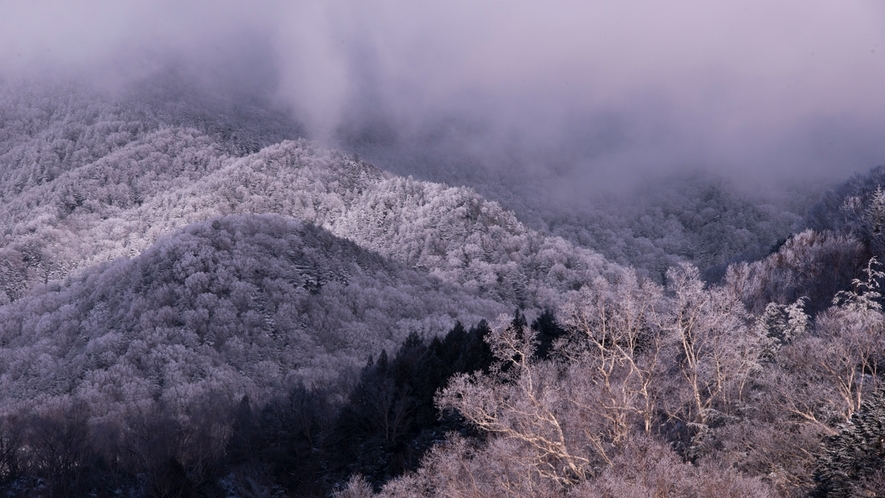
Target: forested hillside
<point x="87" y="212"/>
<point x="239" y="305"/>
<point x="696" y="216"/>
<point x="194" y="301"/>
<point x="693" y="218"/>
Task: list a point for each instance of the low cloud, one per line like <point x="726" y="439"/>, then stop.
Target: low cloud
<point x="594" y="92"/>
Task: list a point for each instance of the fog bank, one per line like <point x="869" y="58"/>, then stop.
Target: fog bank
<point x="589" y="95"/>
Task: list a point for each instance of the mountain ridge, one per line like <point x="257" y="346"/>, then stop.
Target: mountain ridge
<point x="252" y="304"/>
<point x="171" y="177"/>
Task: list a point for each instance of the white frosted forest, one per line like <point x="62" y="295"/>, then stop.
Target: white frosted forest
<point x="194" y="301"/>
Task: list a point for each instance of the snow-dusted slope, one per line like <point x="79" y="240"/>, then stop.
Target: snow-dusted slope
<point x="149" y="261"/>
<point x="120" y="204"/>
<point x="451" y="232"/>
<point x="232" y="306"/>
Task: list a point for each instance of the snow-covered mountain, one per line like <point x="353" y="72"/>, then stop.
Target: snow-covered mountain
<point x="239" y="305"/>
<point x="148" y="182"/>
<point x="123" y="236"/>
<point x="200" y="272"/>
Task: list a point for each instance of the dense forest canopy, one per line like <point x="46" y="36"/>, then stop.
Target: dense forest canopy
<point x="196" y="300"/>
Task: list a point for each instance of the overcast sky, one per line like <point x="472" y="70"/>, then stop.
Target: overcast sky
<point x="599" y="88"/>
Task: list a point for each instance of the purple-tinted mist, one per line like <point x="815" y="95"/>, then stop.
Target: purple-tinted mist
<point x="598" y="93"/>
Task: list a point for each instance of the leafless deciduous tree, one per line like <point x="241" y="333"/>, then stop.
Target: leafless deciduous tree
<point x="523" y="401"/>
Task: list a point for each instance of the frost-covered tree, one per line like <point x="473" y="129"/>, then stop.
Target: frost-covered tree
<point x="814" y="265"/>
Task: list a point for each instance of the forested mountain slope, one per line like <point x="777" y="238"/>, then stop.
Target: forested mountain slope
<point x="856" y="207"/>
<point x="693" y="218"/>
<point x="191" y="300"/>
<point x="45" y="133"/>
<point x="656" y="221"/>
<point x="160" y="136"/>
<point x="232" y="306"/>
<point x="74" y="221"/>
<point x="157" y="180"/>
<point x="450" y="232"/>
<point x="845" y="232"/>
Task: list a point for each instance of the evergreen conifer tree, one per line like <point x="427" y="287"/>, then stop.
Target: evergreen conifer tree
<point x="857" y="452"/>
